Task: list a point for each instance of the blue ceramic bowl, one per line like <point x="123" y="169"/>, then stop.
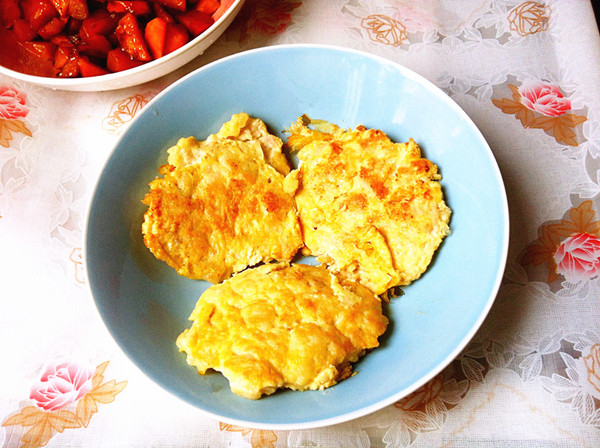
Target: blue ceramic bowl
<point x="145" y="304"/>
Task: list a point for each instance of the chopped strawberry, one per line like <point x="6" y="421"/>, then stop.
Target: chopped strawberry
<point x="207" y="6"/>
<point x="87" y="68"/>
<point x="99" y="22"/>
<point x="9" y="12"/>
<point x="23" y="31"/>
<point x="71" y="67"/>
<point x="96" y="46"/>
<point x="52" y="28"/>
<point x="62" y="7"/>
<point x="119" y="60"/>
<point x="195" y="21"/>
<point x="36" y="58"/>
<point x="64" y="51"/>
<point x="42" y="50"/>
<point x="155" y="34"/>
<point x="176" y="37"/>
<point x="73" y="26"/>
<point x="131" y="38"/>
<point x="78" y="9"/>
<point x="61" y="39"/>
<point x="177" y="5"/>
<point x="161" y="12"/>
<point x="225" y="4"/>
<point x="135" y="7"/>
<point x="38" y="12"/>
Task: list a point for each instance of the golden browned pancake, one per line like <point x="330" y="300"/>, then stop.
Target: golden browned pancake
<point x="220" y="207"/>
<point x="282" y="326"/>
<point x="247" y="134"/>
<point x="372" y="210"/>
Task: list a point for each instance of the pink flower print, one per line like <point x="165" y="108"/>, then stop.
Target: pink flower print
<point x="544" y="98"/>
<point x="12" y="104"/>
<point x="578" y="257"/>
<point x="62" y="384"/>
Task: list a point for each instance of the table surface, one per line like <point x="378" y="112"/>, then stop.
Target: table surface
<point x="526" y="72"/>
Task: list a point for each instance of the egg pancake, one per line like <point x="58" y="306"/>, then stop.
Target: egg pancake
<point x="370" y="209"/>
<point x="246" y="133"/>
<point x="219" y="208"/>
<point x="282" y="326"/>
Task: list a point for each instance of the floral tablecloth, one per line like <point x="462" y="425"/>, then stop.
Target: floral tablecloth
<point x="527" y="72"/>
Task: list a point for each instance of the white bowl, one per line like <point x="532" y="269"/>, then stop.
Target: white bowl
<point x="143" y="73"/>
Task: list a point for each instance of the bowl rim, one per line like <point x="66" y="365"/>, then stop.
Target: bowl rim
<point x="351" y="415"/>
<point x="109" y="78"/>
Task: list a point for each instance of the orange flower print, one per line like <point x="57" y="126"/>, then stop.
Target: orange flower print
<point x="76" y="258"/>
<point x="529" y="18"/>
<point x="65" y="397"/>
<point x="569" y="248"/>
<point x="122" y="112"/>
<point x="258" y="438"/>
<point x="384" y="30"/>
<point x="592" y="364"/>
<point x="12" y="109"/>
<point x="267" y="17"/>
<point x="541" y="105"/>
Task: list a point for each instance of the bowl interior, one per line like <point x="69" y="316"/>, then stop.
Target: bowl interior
<point x="146" y="305"/>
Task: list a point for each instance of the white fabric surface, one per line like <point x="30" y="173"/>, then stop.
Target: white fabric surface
<point x="531" y="376"/>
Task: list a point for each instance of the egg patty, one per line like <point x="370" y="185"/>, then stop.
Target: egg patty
<point x="220" y="206"/>
<point x="250" y="134"/>
<point x="282" y="326"/>
<point x="370" y="209"/>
